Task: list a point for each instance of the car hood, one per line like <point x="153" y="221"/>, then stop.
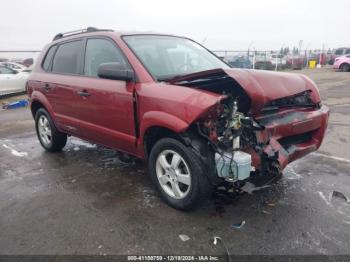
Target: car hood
<point x="261" y="86"/>
<point x="265" y="86"/>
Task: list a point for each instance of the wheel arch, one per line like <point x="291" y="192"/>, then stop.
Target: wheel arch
<point x="38" y="100"/>
<point x="190" y="138"/>
<point x="344" y="63"/>
<point x="156" y="125"/>
<point x="35" y="106"/>
<point x="154" y="134"/>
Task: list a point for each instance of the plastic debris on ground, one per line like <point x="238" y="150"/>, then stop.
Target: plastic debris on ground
<point x="269" y="204"/>
<point x="219" y="239"/>
<point x="184" y="238"/>
<point x="16" y="104"/>
<point x="250" y="187"/>
<point x="238" y="225"/>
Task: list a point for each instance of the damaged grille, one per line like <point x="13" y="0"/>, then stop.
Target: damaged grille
<point x="300" y="100"/>
<point x="296" y="139"/>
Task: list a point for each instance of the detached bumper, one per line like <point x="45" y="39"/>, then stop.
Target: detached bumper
<point x="290" y="134"/>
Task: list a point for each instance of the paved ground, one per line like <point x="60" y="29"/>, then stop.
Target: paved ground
<point x="91" y="200"/>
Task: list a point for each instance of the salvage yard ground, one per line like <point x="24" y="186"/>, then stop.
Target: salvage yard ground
<point x="92" y="200"/>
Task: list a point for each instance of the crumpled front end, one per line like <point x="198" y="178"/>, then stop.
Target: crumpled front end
<point x="259" y="128"/>
<point x="288" y="134"/>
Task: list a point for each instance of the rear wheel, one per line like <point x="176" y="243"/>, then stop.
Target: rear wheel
<point x="178" y="174"/>
<point x="344" y="67"/>
<point x="50" y="138"/>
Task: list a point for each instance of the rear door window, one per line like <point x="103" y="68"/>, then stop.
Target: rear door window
<point x="4" y="70"/>
<point x="67" y="59"/>
<point x="99" y="51"/>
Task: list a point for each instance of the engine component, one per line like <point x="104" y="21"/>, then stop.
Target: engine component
<point x="233" y="166"/>
<point x="224" y="133"/>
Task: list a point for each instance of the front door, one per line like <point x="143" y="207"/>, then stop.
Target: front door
<point x="105" y="107"/>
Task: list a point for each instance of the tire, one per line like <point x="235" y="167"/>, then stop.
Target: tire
<point x="49" y="137"/>
<point x="344" y="67"/>
<point x="190" y="196"/>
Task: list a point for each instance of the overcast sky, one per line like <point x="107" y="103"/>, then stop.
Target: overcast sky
<point x="234" y="25"/>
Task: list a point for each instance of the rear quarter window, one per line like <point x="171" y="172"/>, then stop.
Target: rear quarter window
<point x="67" y="59"/>
<point x="48" y="58"/>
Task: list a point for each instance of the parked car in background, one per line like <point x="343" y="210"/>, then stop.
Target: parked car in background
<point x="339" y="52"/>
<point x="295" y="62"/>
<point x="197" y="122"/>
<point x="262" y="61"/>
<point x="28" y="62"/>
<point x="263" y="65"/>
<point x="239" y="62"/>
<point x="12" y="81"/>
<point x="342" y="63"/>
<point x="13" y="65"/>
<point x="279" y="59"/>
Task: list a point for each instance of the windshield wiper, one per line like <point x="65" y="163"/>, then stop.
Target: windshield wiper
<point x="169" y="78"/>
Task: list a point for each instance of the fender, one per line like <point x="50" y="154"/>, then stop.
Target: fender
<point x="160" y="119"/>
<point x="315" y="94"/>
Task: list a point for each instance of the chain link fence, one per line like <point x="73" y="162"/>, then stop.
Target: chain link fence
<point x="273" y="60"/>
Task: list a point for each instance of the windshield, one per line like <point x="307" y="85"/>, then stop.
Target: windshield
<point x="166" y="57"/>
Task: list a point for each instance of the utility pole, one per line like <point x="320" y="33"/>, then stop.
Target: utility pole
<point x="319" y="65"/>
<point x="248" y="55"/>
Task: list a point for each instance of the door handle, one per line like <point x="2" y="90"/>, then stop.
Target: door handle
<point x="47" y="87"/>
<point x="83" y="93"/>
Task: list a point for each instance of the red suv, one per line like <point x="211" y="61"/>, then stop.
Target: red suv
<point x="168" y="100"/>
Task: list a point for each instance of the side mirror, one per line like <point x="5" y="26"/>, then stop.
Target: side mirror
<point x="115" y="71"/>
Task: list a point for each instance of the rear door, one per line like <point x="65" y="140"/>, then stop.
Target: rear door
<point x="62" y="82"/>
<point x="105" y="107"/>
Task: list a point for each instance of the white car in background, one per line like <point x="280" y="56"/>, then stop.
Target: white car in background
<point x="13" y="65"/>
<point x="279" y="59"/>
<point x="12" y="81"/>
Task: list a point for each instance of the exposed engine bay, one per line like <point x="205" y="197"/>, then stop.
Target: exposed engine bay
<point x="230" y="133"/>
<point x="243" y="146"/>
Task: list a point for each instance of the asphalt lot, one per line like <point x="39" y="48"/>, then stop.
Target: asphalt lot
<point x="92" y="200"/>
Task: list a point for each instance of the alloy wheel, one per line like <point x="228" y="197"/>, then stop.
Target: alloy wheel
<point x="44" y="129"/>
<point x="173" y="174"/>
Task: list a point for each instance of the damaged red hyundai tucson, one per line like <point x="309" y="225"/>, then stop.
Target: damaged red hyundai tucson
<point x="197" y="122"/>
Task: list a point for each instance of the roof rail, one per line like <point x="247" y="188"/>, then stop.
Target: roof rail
<point x="80" y="31"/>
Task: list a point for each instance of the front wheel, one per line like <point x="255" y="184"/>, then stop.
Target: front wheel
<point x="178" y="174"/>
<point x="50" y="138"/>
<point x="344" y="67"/>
